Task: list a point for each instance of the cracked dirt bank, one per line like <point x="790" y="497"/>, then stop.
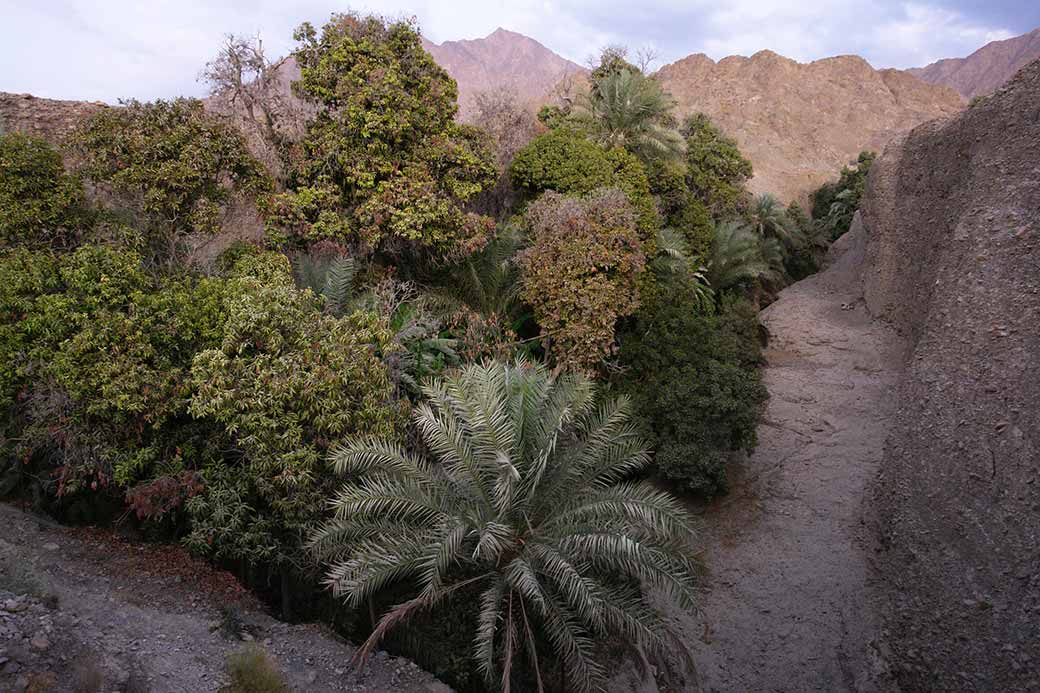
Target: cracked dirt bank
<point x="787" y="601"/>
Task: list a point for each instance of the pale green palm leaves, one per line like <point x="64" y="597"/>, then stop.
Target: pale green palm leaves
<point x="528" y="505"/>
<point x="673" y="258"/>
<point x="629" y="110"/>
<point x="739" y="255"/>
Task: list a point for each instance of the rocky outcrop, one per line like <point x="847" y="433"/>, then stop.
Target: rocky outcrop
<point x="799" y="123"/>
<point x="47" y="118"/>
<point x="986" y="69"/>
<point x="952" y="216"/>
<point x="501" y="60"/>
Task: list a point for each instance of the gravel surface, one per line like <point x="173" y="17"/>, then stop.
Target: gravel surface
<point x="85" y="610"/>
<point x="787" y="600"/>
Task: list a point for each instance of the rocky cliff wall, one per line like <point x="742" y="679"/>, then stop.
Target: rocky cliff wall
<point x="952" y="217"/>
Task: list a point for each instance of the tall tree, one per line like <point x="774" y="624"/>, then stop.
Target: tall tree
<point x="628" y="109"/>
<point x="385" y="166"/>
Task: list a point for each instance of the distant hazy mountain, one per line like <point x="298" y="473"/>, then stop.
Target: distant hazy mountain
<point x="985" y="70"/>
<point x="800" y="122"/>
<point x="503" y="59"/>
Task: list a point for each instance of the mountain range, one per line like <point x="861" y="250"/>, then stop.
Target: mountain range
<point x="985" y="70"/>
<point x="798" y="123"/>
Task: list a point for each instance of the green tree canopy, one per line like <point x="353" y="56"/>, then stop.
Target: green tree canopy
<point x="384" y="165"/>
<point x="566" y="161"/>
<point x="40" y="205"/>
<point x="716" y="170"/>
<point x="179" y="164"/>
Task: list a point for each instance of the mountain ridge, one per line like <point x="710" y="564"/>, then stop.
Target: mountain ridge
<point x="985" y="70"/>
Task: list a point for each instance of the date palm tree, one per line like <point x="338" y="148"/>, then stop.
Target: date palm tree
<point x="530" y="504"/>
<point x="740" y="256"/>
<point x="628" y="109"/>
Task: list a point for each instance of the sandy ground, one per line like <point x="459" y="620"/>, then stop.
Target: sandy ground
<point x="786" y="604"/>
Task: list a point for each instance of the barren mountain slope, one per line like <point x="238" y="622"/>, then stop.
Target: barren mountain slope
<point x="986" y="69"/>
<point x="501" y="60"/>
<point x="952" y="215"/>
<point x="799" y="123"/>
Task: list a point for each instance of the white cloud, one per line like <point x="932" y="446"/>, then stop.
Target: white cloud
<point x="107" y="49"/>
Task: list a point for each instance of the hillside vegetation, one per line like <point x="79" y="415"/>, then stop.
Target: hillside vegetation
<point x="444" y="386"/>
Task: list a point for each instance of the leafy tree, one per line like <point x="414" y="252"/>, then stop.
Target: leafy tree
<point x="179" y="164"/>
<point x="695" y="385"/>
<point x="286" y="382"/>
<point x="681" y="209"/>
<point x="716" y="170"/>
<point x="384" y="163"/>
<point x="627" y="109"/>
<point x="529" y="506"/>
<point x="581" y="271"/>
<point x="40" y="205"/>
<point x="566" y="161"/>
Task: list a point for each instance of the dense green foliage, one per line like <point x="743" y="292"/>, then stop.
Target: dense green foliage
<point x="716" y="170"/>
<point x="384" y="165"/>
<point x="206" y="399"/>
<point x="834" y="204"/>
<point x="177" y="164"/>
<point x="566" y="161"/>
<point x="581" y="271"/>
<point x="694" y="380"/>
<point x="40" y="205"/>
<point x="528" y="505"/>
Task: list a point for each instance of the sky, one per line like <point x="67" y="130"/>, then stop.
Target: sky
<point x="148" y="49"/>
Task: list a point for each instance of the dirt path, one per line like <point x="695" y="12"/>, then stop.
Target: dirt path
<point x="787" y="605"/>
<point x="82" y="610"/>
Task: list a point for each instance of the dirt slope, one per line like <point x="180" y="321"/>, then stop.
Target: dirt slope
<point x="138" y="618"/>
<point x="953" y="217"/>
<point x="985" y="70"/>
<point x="786" y="606"/>
<point x="799" y="123"/>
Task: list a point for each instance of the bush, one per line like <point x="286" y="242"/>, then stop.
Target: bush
<point x="176" y="163"/>
<point x="564" y="160"/>
<point x="834" y="204"/>
<point x="695" y="385"/>
<point x="384" y="163"/>
<point x="286" y="382"/>
<point x="252" y="671"/>
<point x="40" y="205"/>
<point x="580" y="272"/>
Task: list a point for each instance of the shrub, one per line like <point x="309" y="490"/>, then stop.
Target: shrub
<point x="252" y="671"/>
<point x="40" y="205"/>
<point x="97" y="357"/>
<point x="834" y="204"/>
<point x="682" y="210"/>
<point x="384" y="163"/>
<point x="580" y="272"/>
<point x="286" y="382"/>
<point x="564" y="160"/>
<point x="178" y="164"/>
<point x="695" y="386"/>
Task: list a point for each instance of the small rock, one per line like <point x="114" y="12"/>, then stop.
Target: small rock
<point x="50" y="546"/>
<point x="312" y="676"/>
<point x="40" y="642"/>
